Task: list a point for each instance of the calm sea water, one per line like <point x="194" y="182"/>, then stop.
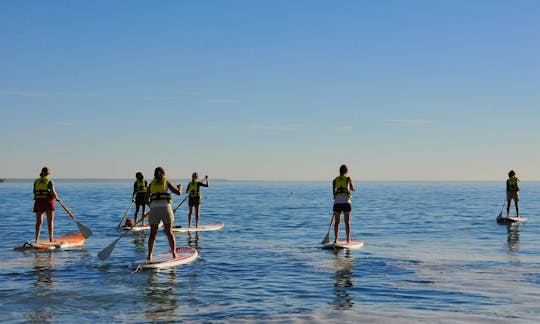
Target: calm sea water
<point x="433" y="252"/>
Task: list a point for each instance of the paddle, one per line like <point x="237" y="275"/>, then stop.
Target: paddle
<point x="500" y="214"/>
<point x="85" y="231"/>
<point x="125" y="215"/>
<point x="106" y="252"/>
<point x="327" y="237"/>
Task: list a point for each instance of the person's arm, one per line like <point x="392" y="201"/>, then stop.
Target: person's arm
<point x="351" y="185"/>
<point x="334" y="188"/>
<point x="207" y="184"/>
<point x="54" y="194"/>
<point x="177" y="190"/>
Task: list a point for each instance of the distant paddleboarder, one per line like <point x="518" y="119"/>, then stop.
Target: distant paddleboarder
<point x="342" y="186"/>
<point x="140" y="186"/>
<point x="194" y="192"/>
<point x="44" y="196"/>
<point x="512" y="192"/>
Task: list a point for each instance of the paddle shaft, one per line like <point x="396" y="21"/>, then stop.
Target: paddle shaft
<point x="125" y="214"/>
<point x="85" y="231"/>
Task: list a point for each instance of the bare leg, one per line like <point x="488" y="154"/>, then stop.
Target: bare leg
<point x="50" y="224"/>
<point x="152" y="240"/>
<point x="137" y="208"/>
<point x="337" y="220"/>
<point x="189" y="216"/>
<point x="167" y="228"/>
<point x="517" y="207"/>
<point x="197" y="211"/>
<point x="347" y="219"/>
<point x="39" y="221"/>
<point x="142" y="214"/>
<point x="508" y="208"/>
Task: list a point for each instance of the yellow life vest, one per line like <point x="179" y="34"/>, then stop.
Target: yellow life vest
<point x="512" y="184"/>
<point x="158" y="191"/>
<point x="140" y="186"/>
<point x="342" y="187"/>
<point x="193" y="189"/>
<point x="41" y="188"/>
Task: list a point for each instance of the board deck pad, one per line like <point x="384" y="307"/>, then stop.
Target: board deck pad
<point x="342" y="244"/>
<point x="209" y="227"/>
<point x="186" y="254"/>
<point x="64" y="242"/>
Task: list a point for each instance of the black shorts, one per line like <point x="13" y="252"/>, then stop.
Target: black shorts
<point x="342" y="208"/>
<point x="140" y="199"/>
<point x="194" y="201"/>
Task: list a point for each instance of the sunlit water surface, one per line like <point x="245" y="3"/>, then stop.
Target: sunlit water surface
<point x="433" y="252"/>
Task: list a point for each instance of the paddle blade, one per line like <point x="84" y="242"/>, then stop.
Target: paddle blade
<point x="106" y="252"/>
<point x="326" y="238"/>
<point x="85" y="231"/>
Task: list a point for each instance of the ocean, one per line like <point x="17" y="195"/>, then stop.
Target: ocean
<point x="433" y="253"/>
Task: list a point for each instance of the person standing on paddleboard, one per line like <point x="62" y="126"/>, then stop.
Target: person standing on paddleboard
<point x="44" y="196"/>
<point x="160" y="209"/>
<point x="140" y="186"/>
<point x="512" y="192"/>
<point x="193" y="190"/>
<point x="342" y="186"/>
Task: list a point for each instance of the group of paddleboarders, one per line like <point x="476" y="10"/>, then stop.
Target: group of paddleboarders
<point x="157" y="196"/>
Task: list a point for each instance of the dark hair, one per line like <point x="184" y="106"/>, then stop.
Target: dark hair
<point x="139" y="175"/>
<point x="343" y="169"/>
<point x="194" y="176"/>
<point x="511" y="173"/>
<point x="157" y="173"/>
<point x="44" y="172"/>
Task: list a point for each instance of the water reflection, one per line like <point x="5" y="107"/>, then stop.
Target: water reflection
<point x="343" y="279"/>
<point x="139" y="239"/>
<point x="43" y="267"/>
<point x="512" y="237"/>
<point x="193" y="240"/>
<point x="160" y="300"/>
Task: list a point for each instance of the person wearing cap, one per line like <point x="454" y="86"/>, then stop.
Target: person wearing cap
<point x="44" y="196"/>
<point x="512" y="192"/>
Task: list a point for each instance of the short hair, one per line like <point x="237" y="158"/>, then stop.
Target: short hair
<point x="343" y="169"/>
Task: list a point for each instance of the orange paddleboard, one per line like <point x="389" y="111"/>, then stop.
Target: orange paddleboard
<point x="64" y="242"/>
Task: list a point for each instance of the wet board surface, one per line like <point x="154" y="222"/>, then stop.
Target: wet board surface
<point x="342" y="244"/>
<point x="209" y="227"/>
<point x="510" y="220"/>
<point x="186" y="254"/>
<point x="137" y="228"/>
<point x="64" y="242"/>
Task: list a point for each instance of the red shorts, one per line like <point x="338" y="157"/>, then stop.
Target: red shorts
<point x="42" y="205"/>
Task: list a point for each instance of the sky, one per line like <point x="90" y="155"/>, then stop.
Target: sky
<point x="270" y="90"/>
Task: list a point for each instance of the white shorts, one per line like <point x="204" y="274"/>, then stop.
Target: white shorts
<point x="161" y="214"/>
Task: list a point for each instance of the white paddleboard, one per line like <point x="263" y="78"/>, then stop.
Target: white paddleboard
<point x="164" y="260"/>
<point x="209" y="227"/>
<point x="511" y="219"/>
<point x="342" y="244"/>
<point x="137" y="228"/>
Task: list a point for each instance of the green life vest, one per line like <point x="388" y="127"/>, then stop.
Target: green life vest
<point x="512" y="184"/>
<point x="193" y="189"/>
<point x="140" y="186"/>
<point x="41" y="188"/>
<point x="342" y="187"/>
<point x="159" y="192"/>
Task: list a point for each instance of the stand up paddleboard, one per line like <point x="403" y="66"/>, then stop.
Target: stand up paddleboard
<point x="137" y="228"/>
<point x="64" y="242"/>
<point x="164" y="260"/>
<point x="342" y="244"/>
<point x="209" y="227"/>
<point x="510" y="220"/>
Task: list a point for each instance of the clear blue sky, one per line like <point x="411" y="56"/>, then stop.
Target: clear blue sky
<point x="288" y="90"/>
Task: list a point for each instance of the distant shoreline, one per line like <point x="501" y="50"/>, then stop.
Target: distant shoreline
<point x="112" y="180"/>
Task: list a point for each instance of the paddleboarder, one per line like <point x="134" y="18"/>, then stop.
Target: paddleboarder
<point x="194" y="203"/>
<point x="160" y="209"/>
<point x="140" y="186"/>
<point x="342" y="186"/>
<point x="512" y="192"/>
<point x="44" y="196"/>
